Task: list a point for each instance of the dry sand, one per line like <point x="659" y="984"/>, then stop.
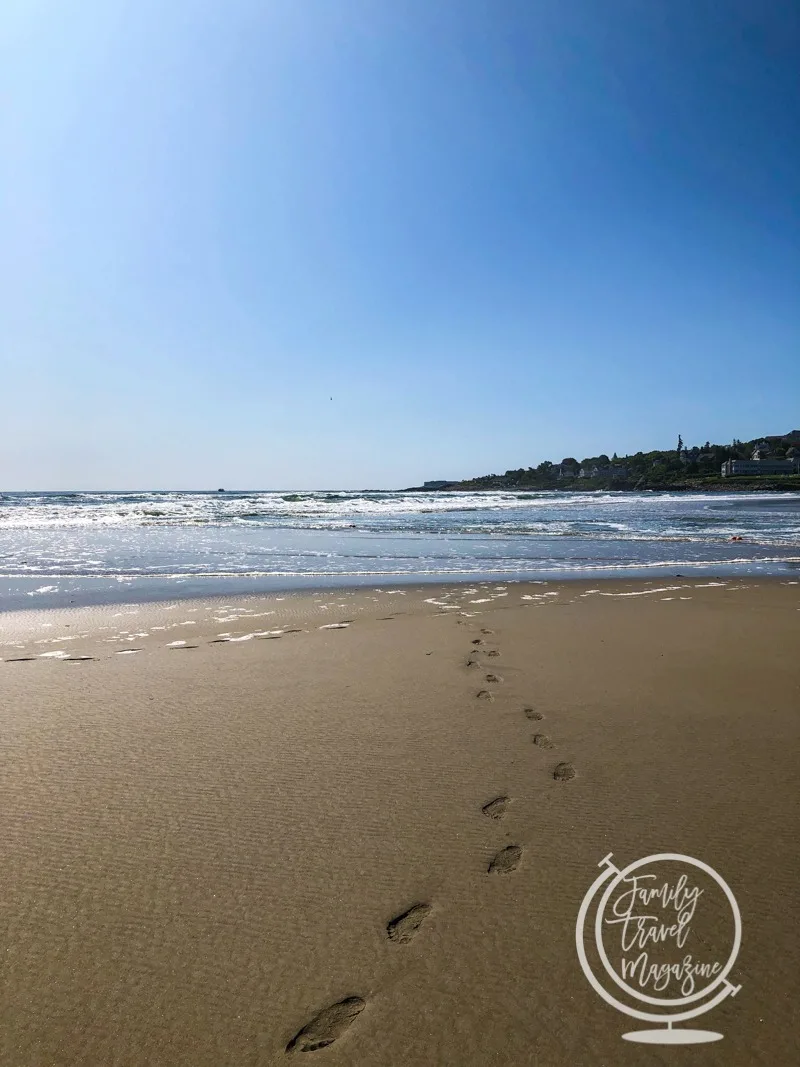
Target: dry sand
<point x="207" y="844"/>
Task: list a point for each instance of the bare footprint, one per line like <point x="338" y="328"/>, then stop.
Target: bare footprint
<point x="531" y="713"/>
<point x="496" y="808"/>
<point x="326" y="1027"/>
<point x="543" y="741"/>
<point x="495" y="678"/>
<point x="564" y="772"/>
<point x="487" y="631"/>
<point x="484" y="694"/>
<point x="403" y="928"/>
<point x="506" y="860"/>
<point x="492" y="652"/>
<point x="477" y="641"/>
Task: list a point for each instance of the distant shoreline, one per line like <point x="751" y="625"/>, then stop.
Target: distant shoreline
<point x="720" y="485"/>
<point x="764" y="464"/>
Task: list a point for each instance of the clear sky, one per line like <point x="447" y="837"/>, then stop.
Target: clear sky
<point x="362" y="243"/>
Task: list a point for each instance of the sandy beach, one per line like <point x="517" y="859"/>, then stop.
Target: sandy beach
<point x="357" y="826"/>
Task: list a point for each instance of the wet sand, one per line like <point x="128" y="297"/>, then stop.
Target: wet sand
<point x="356" y="827"/>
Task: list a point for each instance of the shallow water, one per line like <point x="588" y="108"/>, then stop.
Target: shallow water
<point x="59" y="548"/>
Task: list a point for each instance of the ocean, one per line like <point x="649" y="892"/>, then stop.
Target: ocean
<point x="58" y="549"/>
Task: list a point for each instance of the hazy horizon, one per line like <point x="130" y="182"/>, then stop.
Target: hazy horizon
<point x="233" y="488"/>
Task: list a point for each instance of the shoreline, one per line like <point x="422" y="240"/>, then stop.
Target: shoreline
<point x="162" y="589"/>
<point x="138" y="548"/>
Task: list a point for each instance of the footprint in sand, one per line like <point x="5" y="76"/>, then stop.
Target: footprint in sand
<point x="492" y="652"/>
<point x="484" y="694"/>
<point x="404" y="927"/>
<point x="326" y="1027"/>
<point x="506" y="860"/>
<point x="564" y="772"/>
<point x="496" y="808"/>
<point x="543" y="741"/>
<point x="531" y="713"/>
<point x="477" y="641"/>
<point x="494" y="678"/>
<point x="487" y="631"/>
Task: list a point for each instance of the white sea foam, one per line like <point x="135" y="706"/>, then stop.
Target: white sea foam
<point x="118" y="510"/>
<point x="647" y="592"/>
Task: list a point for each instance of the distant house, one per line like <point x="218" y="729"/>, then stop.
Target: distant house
<point x="437" y="484"/>
<point x="757" y="467"/>
<point x="613" y="471"/>
<point x="565" y="470"/>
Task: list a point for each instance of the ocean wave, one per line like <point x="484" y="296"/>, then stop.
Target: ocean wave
<point x="171" y="508"/>
<point x="181" y="537"/>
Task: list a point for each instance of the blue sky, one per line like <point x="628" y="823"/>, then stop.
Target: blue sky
<point x="361" y="243"/>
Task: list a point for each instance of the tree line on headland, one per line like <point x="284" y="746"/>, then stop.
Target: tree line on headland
<point x="697" y="467"/>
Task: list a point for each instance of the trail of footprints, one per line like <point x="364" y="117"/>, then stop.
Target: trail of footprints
<point x="332" y="1022"/>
